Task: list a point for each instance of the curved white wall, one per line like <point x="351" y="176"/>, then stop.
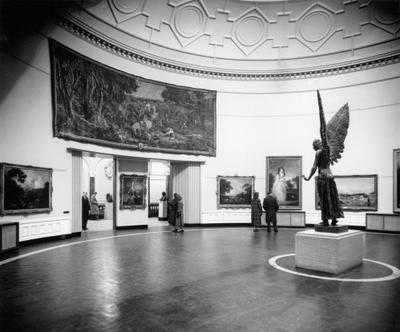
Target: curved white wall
<point x="254" y="120"/>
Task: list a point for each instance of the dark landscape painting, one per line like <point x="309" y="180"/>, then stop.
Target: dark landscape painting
<point x="396" y="181"/>
<point x="25" y="189"/>
<point x="133" y="191"/>
<point x="356" y="192"/>
<point x="235" y="191"/>
<point x="97" y="104"/>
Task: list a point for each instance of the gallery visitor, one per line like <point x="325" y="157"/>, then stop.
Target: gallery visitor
<point x="178" y="213"/>
<point x="271" y="206"/>
<point x="85" y="210"/>
<point x="256" y="212"/>
<point x="94" y="206"/>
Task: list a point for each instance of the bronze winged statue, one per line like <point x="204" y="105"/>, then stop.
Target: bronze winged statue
<point x="328" y="150"/>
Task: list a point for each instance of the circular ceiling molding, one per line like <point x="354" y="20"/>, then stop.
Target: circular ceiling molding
<point x="386" y="13"/>
<point x="315" y="26"/>
<point x="189" y="21"/>
<point x="250" y="30"/>
<point x="126" y="6"/>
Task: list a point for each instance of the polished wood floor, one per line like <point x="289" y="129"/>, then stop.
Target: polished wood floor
<point x="215" y="279"/>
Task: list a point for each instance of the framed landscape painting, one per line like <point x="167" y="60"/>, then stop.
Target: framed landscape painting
<point x="356" y="192"/>
<point x="132" y="191"/>
<point x="25" y="189"/>
<point x="396" y="180"/>
<point x="235" y="191"/>
<point x="283" y="180"/>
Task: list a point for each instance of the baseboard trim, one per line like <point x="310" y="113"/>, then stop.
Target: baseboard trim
<point x="49" y="239"/>
<point x="121" y="228"/>
<point x="381" y="231"/>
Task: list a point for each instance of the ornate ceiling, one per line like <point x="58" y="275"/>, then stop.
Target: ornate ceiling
<point x="235" y="39"/>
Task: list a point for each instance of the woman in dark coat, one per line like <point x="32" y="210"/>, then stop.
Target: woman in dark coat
<point x="256" y="212"/>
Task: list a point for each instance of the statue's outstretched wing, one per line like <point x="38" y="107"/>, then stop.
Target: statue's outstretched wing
<point x="336" y="131"/>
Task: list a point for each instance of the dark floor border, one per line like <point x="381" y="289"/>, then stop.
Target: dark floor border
<point x="380" y="231"/>
<point x="235" y="225"/>
<point x="121" y="228"/>
<point x="49" y="239"/>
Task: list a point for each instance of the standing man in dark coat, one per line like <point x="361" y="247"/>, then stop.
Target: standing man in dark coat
<point x="270" y="205"/>
<point x="85" y="210"/>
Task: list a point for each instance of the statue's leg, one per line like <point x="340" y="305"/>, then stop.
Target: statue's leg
<point x="334" y="221"/>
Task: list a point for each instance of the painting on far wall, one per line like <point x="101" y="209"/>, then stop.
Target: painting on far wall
<point x="356" y="192"/>
<point x="235" y="191"/>
<point x="94" y="103"/>
<point x="132" y="191"/>
<point x="283" y="180"/>
<point x="25" y="189"/>
<point x="396" y="180"/>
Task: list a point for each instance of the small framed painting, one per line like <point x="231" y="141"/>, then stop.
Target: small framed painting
<point x="133" y="191"/>
<point x="396" y="181"/>
<point x="235" y="191"/>
<point x="356" y="192"/>
<point x="25" y="189"/>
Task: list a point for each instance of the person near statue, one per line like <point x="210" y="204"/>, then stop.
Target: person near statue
<point x="328" y="150"/>
<point x="256" y="212"/>
<point x="271" y="206"/>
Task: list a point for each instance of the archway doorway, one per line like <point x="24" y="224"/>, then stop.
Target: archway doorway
<point x="98" y="185"/>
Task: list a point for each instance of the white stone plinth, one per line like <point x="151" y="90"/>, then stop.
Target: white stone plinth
<point x="328" y="252"/>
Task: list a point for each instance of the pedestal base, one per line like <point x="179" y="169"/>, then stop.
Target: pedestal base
<point x="328" y="252"/>
<point x="331" y="229"/>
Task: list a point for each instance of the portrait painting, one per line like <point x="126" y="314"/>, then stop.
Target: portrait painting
<point x="235" y="191"/>
<point x="356" y="192"/>
<point x="132" y="191"/>
<point x="283" y="180"/>
<point x="396" y="180"/>
<point x="25" y="189"/>
<point x="94" y="103"/>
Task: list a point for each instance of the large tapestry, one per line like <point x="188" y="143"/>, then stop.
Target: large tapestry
<point x="97" y="104"/>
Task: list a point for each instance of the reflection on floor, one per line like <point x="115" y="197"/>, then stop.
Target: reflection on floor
<point x="100" y="225"/>
<point x="106" y="225"/>
<point x="215" y="279"/>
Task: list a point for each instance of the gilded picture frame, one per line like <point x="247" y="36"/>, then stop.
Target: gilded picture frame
<point x="396" y="180"/>
<point x="25" y="189"/>
<point x="356" y="192"/>
<point x="284" y="181"/>
<point x="234" y="191"/>
<point x="133" y="191"/>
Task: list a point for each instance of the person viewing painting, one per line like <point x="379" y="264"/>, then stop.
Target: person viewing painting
<point x="94" y="211"/>
<point x="280" y="186"/>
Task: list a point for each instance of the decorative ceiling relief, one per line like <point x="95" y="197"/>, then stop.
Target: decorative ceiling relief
<point x="256" y="38"/>
<point x="124" y="10"/>
<point x="315" y="26"/>
<point x="250" y="30"/>
<point x="386" y="16"/>
<point x="188" y="21"/>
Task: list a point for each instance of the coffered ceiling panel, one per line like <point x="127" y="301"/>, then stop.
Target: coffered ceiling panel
<point x="247" y="37"/>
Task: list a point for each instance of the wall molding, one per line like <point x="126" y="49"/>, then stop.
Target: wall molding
<point x="112" y="46"/>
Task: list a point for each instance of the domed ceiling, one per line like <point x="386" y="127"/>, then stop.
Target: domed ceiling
<point x="234" y="39"/>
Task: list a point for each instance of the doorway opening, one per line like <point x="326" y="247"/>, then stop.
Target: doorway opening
<point x="159" y="180"/>
<point x="98" y="184"/>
